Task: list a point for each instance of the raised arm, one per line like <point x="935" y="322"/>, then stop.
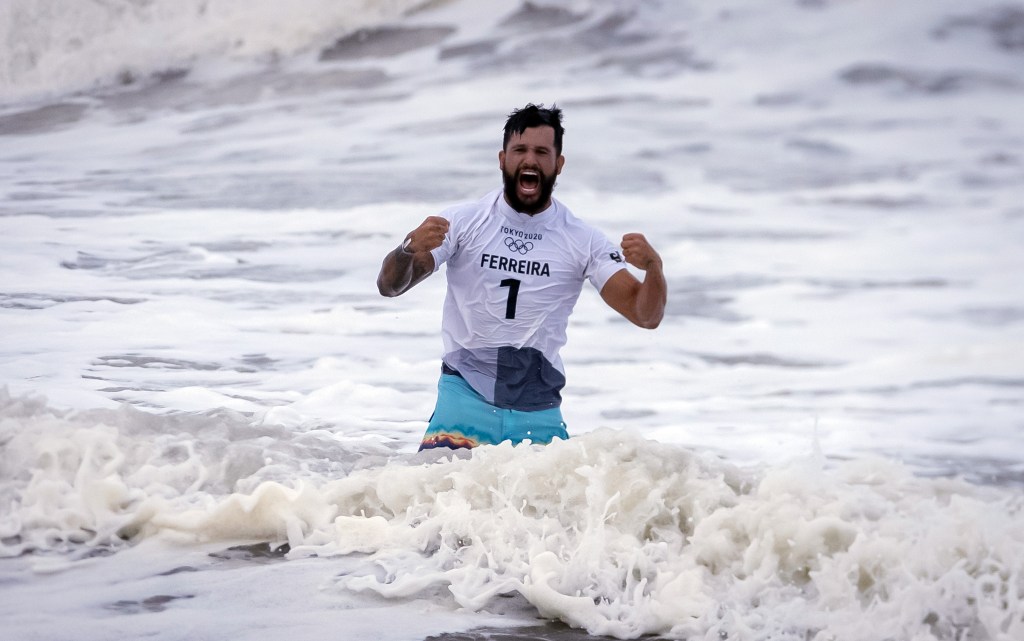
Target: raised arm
<point x="642" y="303"/>
<point x="411" y="262"/>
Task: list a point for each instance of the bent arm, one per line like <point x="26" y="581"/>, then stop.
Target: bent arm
<point x="642" y="303"/>
<point x="409" y="263"/>
<point x="402" y="270"/>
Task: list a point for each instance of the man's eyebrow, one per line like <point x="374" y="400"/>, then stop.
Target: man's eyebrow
<point x="522" y="145"/>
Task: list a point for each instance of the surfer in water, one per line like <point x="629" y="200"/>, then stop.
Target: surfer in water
<point x="517" y="260"/>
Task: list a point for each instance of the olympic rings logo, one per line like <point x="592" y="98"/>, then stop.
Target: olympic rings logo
<point x="517" y="245"/>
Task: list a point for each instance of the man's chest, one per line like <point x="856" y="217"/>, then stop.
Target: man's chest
<point x="501" y="249"/>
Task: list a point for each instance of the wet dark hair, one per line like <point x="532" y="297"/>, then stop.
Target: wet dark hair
<point x="534" y="116"/>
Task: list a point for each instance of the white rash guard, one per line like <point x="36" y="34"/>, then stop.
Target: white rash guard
<point x="513" y="280"/>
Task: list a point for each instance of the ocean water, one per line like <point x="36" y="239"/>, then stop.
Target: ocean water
<point x="209" y="417"/>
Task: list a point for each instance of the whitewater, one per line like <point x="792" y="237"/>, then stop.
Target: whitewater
<point x="209" y="417"/>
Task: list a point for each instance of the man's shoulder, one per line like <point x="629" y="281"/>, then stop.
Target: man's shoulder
<point x="572" y="223"/>
<point x="470" y="208"/>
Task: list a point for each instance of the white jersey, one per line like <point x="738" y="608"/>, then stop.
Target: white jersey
<point x="513" y="280"/>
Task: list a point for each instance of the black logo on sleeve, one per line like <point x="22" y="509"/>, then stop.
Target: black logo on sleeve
<point x="616" y="256"/>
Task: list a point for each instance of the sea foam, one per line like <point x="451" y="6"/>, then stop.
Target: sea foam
<point x="609" y="531"/>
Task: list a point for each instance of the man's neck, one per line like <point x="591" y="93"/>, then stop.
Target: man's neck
<point x="531" y="214"/>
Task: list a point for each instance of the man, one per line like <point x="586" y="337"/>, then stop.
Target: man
<point x="517" y="260"/>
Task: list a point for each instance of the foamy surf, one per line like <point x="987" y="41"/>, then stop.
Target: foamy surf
<point x="609" y="532"/>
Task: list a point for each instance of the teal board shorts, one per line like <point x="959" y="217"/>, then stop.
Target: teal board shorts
<point x="463" y="418"/>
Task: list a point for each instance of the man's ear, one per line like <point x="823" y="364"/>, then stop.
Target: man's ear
<point x="501" y="160"/>
<point x="558" y="167"/>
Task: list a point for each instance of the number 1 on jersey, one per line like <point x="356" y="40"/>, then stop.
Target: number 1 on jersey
<point x="513" y="295"/>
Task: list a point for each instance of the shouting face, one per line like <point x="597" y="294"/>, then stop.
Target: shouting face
<point x="529" y="165"/>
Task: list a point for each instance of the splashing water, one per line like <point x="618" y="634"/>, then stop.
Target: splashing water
<point x="609" y="532"/>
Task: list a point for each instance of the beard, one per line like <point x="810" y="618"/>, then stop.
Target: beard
<point x="536" y="202"/>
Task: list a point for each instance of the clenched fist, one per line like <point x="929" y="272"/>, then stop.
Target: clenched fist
<point x="429" y="235"/>
<point x="638" y="252"/>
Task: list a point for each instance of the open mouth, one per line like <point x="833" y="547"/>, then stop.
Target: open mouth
<point x="529" y="181"/>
